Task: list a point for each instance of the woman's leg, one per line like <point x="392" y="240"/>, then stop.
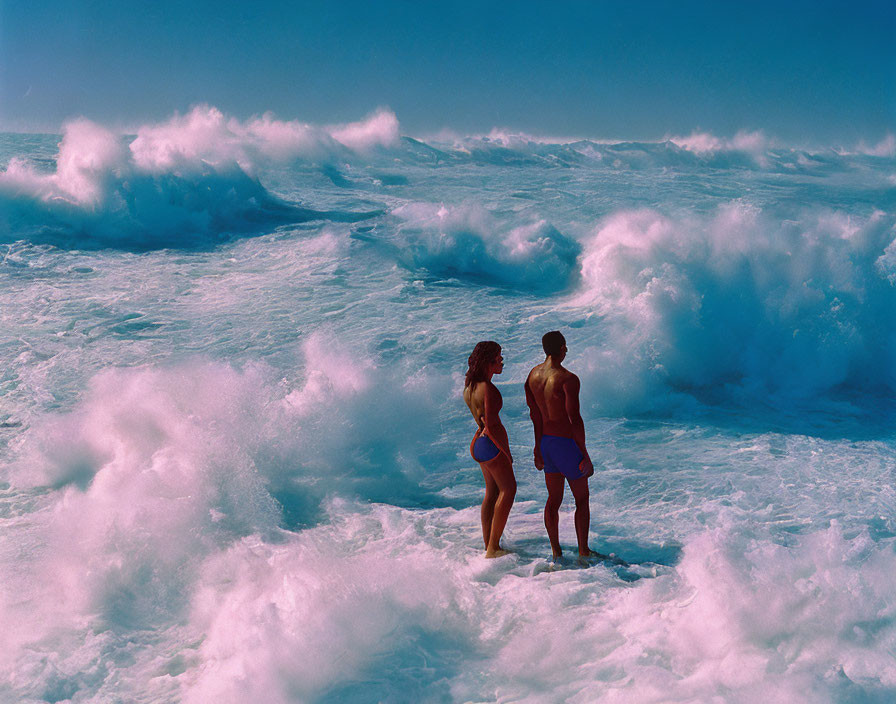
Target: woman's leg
<point x="488" y="504"/>
<point x="501" y="472"/>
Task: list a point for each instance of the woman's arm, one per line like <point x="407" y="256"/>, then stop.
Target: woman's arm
<point x="493" y="427"/>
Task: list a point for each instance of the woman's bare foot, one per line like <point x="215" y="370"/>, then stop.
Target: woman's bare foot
<point x="500" y="552"/>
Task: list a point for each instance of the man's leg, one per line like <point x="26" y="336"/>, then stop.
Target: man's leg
<point x="579" y="489"/>
<point x="554" y="483"/>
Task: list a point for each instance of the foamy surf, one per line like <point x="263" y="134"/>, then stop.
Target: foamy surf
<point x="235" y="461"/>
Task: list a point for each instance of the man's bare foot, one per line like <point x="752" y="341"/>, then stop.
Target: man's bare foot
<point x="500" y="552"/>
<point x="594" y="555"/>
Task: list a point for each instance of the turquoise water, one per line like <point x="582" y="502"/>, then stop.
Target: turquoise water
<point x="234" y="452"/>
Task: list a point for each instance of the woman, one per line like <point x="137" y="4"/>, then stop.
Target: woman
<point x="490" y="446"/>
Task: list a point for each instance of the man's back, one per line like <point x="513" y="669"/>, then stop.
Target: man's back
<point x="547" y="382"/>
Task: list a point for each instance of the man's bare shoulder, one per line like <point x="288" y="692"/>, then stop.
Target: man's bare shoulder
<point x="567" y="379"/>
<point x="536" y="373"/>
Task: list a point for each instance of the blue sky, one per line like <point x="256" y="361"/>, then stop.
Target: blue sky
<point x="801" y="71"/>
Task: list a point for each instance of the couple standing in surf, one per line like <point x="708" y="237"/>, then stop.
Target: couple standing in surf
<point x="552" y="394"/>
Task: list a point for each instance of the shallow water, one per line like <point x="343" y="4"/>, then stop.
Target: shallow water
<point x="234" y="452"/>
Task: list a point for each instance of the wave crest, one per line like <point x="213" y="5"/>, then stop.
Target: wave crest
<point x="178" y="183"/>
<point x="467" y="241"/>
<point x="735" y="306"/>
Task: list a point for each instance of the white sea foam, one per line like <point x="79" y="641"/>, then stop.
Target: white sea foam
<point x="194" y="174"/>
<point x="206" y="135"/>
<point x="736" y="304"/>
<point x="703" y="142"/>
<point x="155" y="470"/>
<point x="740" y="620"/>
<point x="292" y="622"/>
<point x="166" y="536"/>
<point x="240" y="470"/>
<point x="886" y="147"/>
<point x="467" y="241"/>
<point x="378" y="130"/>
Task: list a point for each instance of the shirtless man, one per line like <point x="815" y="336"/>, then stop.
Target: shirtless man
<point x="552" y="393"/>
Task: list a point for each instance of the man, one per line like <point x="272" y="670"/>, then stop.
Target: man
<point x="552" y="393"/>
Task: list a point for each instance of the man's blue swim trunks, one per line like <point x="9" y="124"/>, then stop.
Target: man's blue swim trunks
<point x="484" y="449"/>
<point x="561" y="455"/>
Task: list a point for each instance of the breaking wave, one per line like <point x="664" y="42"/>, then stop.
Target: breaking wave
<point x="737" y="306"/>
<point x="467" y="241"/>
<point x="198" y="178"/>
<point x="178" y="184"/>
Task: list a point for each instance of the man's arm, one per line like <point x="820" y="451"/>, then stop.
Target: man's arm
<point x="537" y="422"/>
<point x="571" y="391"/>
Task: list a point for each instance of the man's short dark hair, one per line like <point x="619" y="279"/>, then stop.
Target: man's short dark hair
<point x="553" y="342"/>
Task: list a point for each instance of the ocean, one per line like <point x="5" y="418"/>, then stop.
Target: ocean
<point x="234" y="456"/>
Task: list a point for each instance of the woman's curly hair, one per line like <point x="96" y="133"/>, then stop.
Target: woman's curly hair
<point x="484" y="353"/>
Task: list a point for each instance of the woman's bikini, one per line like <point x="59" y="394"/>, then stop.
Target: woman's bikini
<point x="483" y="448"/>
